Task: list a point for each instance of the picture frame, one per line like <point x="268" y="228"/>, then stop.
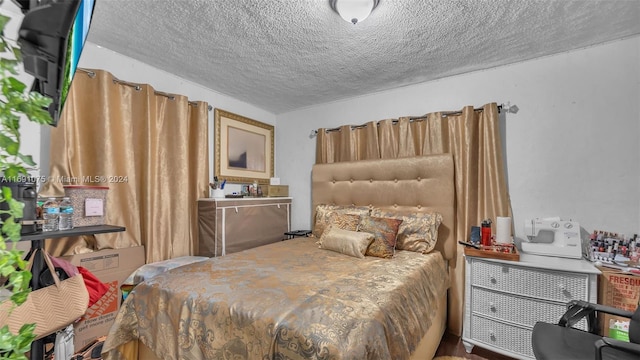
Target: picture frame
<point x="243" y="149"/>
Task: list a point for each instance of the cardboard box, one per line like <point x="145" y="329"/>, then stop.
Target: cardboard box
<point x="112" y="267"/>
<point x="276" y="190"/>
<point x="617" y="289"/>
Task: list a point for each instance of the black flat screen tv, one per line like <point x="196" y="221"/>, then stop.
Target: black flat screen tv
<point x="51" y="38"/>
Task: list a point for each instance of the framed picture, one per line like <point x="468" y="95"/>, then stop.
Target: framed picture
<point x="244" y="149"/>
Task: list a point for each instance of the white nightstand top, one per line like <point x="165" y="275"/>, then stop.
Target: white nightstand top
<point x="552" y="263"/>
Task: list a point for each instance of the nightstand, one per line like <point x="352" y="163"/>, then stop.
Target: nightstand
<point x="504" y="299"/>
<point x="291" y="234"/>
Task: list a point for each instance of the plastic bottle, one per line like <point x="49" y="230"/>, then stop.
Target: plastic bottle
<point x="66" y="214"/>
<point x="485" y="233"/>
<point x="51" y="214"/>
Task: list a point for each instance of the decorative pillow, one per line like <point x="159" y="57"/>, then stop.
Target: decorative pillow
<point x="385" y="231"/>
<point x="347" y="242"/>
<point x="418" y="231"/>
<point x="328" y="214"/>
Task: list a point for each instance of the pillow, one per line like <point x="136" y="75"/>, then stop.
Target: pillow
<point x="328" y="214"/>
<point x="385" y="231"/>
<point x="418" y="231"/>
<point x="346" y="242"/>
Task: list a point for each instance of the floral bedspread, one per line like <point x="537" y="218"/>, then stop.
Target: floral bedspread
<point x="288" y="300"/>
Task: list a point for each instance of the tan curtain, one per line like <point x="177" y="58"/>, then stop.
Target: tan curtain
<point x="471" y="135"/>
<point x="153" y="148"/>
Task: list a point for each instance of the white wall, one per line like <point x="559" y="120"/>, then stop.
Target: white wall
<point x="571" y="151"/>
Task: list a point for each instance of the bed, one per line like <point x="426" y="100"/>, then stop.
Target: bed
<point x="293" y="300"/>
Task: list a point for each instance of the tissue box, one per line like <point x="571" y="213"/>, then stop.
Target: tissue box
<point x="276" y="190"/>
<point x="89" y="204"/>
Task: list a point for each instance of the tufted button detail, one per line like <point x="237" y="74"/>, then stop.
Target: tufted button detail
<point x="419" y="206"/>
<point x="350" y="180"/>
<point x="396" y="180"/>
<point x="395" y="205"/>
<point x="370" y="180"/>
<point x="419" y="178"/>
<point x="370" y="206"/>
<point x="334" y="181"/>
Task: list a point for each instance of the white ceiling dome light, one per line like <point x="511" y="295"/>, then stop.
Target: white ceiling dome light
<point x="354" y="11"/>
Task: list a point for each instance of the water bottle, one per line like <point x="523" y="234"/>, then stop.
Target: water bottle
<point x="66" y="214"/>
<point x="485" y="232"/>
<point x="51" y="214"/>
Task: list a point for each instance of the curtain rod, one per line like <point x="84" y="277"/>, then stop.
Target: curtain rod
<point x="502" y="107"/>
<point x="137" y="87"/>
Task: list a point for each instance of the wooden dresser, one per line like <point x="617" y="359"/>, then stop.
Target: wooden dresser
<point x="504" y="299"/>
<point x="230" y="225"/>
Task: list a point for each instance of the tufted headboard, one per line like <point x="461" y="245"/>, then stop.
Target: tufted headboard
<point x="421" y="184"/>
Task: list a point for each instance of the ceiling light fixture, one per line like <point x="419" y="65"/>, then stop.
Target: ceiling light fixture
<point x="353" y="11"/>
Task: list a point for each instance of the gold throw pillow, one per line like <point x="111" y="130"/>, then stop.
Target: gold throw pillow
<point x="346" y="242"/>
<point x="418" y="231"/>
<point x="329" y="214"/>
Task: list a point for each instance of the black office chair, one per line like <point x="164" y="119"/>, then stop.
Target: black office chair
<point x="562" y="341"/>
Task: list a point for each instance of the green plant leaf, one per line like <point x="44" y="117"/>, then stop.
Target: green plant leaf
<point x="21" y="280"/>
<point x="10" y="145"/>
<point x="6" y="191"/>
<point x="23" y="343"/>
<point x="4" y="45"/>
<point x="6" y="270"/>
<point x="3" y="22"/>
<point x="11" y="229"/>
<point x="8" y="65"/>
<point x="17" y="84"/>
<point x="5" y="141"/>
<point x="10" y="172"/>
<point x="6" y="337"/>
<point x="17" y="53"/>
<point x="15" y="207"/>
<point x="19" y="297"/>
<point x="27" y="159"/>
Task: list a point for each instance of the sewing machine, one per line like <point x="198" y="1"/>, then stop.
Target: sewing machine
<point x="552" y="237"/>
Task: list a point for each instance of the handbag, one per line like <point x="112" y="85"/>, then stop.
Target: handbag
<point x="50" y="308"/>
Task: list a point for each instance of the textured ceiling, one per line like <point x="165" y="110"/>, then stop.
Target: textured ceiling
<point x="282" y="55"/>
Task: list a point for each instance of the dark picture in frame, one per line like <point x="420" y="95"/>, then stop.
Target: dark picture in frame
<point x="243" y="149"/>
